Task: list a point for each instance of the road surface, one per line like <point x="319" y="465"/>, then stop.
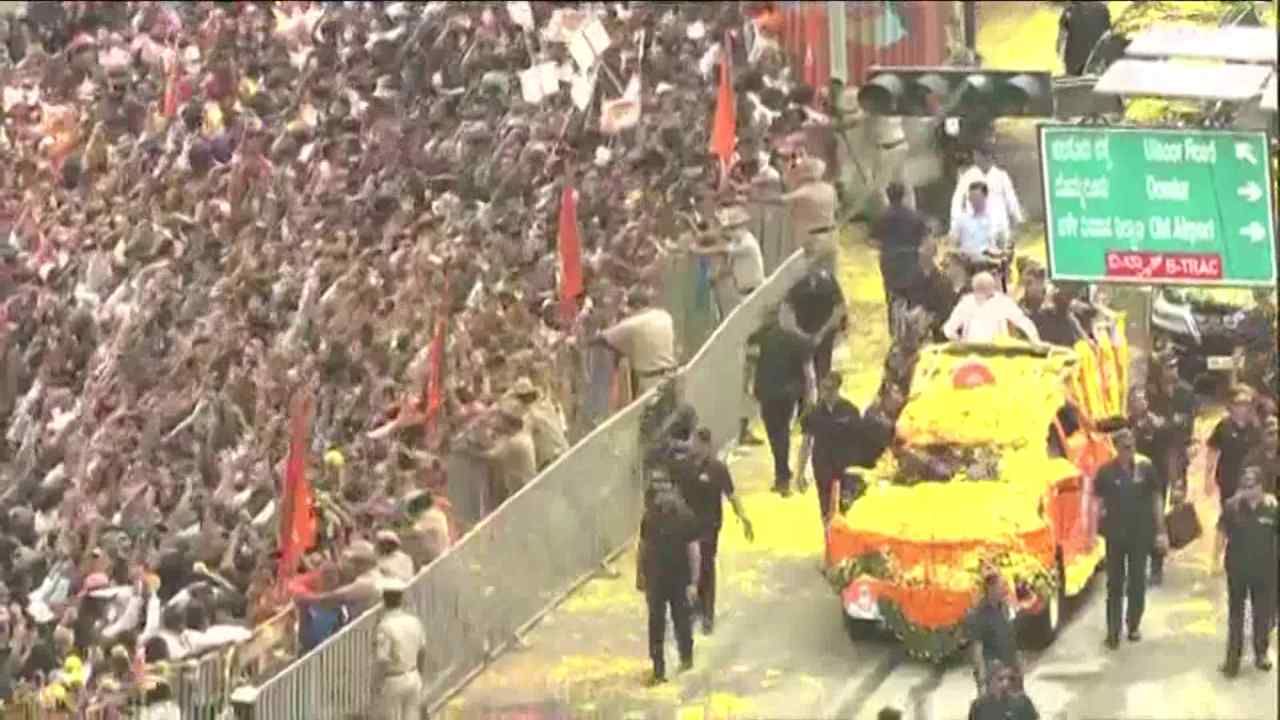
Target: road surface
<point x="780" y="650"/>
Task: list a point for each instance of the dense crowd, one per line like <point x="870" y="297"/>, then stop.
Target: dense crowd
<point x="211" y="208"/>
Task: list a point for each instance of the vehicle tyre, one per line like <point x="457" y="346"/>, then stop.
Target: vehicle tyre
<point x="1040" y="630"/>
<point x="860" y="630"/>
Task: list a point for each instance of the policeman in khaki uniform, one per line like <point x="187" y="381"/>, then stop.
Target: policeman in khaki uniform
<point x="542" y="421"/>
<point x="400" y="654"/>
<point x="1248" y="530"/>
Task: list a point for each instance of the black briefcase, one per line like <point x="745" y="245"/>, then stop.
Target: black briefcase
<point x="1183" y="526"/>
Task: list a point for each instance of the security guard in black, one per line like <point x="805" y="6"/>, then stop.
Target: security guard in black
<point x="1133" y="525"/>
<point x="670" y="564"/>
<point x="1249" y="525"/>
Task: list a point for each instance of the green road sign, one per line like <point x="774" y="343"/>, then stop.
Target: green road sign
<point x="1158" y="206"/>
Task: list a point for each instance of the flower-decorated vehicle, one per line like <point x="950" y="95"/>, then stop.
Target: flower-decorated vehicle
<point x="997" y="447"/>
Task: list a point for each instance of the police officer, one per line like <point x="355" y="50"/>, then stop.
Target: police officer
<point x="669" y="566"/>
<point x="400" y="654"/>
<point x="989" y="629"/>
<point x="1132" y="518"/>
<point x="1248" y="529"/>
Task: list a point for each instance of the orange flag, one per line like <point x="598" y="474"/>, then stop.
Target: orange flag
<point x="570" y="245"/>
<point x="724" y="128"/>
<point x="298" y="515"/>
<point x="170" y="107"/>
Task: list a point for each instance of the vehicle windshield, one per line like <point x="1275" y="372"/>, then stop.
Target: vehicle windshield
<point x="1202" y="297"/>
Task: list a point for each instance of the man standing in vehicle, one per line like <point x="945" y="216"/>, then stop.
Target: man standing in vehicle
<point x="1132" y="520"/>
<point x="1248" y="531"/>
<point x="999" y="197"/>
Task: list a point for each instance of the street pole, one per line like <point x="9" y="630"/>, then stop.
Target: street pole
<point x="970" y="23"/>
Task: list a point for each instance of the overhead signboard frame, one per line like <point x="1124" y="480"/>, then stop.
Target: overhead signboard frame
<point x="1148" y="78"/>
<point x="1158" y="205"/>
<point x="1232" y="44"/>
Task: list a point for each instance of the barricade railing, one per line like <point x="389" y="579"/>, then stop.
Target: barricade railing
<point x="517" y="563"/>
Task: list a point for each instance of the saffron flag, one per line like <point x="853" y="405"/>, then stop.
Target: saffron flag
<point x="298" y="515"/>
<point x="724" y="127"/>
<point x="433" y="388"/>
<point x="570" y="255"/>
<point x="171" y="89"/>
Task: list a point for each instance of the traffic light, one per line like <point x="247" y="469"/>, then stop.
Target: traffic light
<point x="952" y="91"/>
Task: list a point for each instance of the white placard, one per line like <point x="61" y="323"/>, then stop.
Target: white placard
<point x="531" y="85"/>
<point x="521" y="14"/>
<point x="588" y="44"/>
<point x="548" y="77"/>
<point x="580" y="49"/>
<point x="582" y="90"/>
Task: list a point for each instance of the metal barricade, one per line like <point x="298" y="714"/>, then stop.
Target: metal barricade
<point x="520" y="561"/>
<point x="687" y="294"/>
<point x="715" y="381"/>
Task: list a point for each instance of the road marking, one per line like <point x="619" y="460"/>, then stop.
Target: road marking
<point x="855" y="693"/>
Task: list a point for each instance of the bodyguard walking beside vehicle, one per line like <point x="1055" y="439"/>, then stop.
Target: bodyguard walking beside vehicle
<point x="705" y="482"/>
<point x="669" y="566"/>
<point x="1248" y="531"/>
<point x="1132" y="521"/>
<point x="782" y="379"/>
<point x="1172" y="406"/>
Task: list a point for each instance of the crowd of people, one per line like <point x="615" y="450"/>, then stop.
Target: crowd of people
<point x="213" y="207"/>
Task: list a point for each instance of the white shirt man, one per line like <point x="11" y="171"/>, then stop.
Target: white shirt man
<point x="1002" y="200"/>
<point x="985" y="314"/>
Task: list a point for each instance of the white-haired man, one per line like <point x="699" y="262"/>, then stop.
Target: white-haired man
<point x="986" y="314"/>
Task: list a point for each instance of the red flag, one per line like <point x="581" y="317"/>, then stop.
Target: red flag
<point x="570" y="255"/>
<point x="297" y="505"/>
<point x="724" y="127"/>
<point x="170" y="107"/>
<point x="433" y="387"/>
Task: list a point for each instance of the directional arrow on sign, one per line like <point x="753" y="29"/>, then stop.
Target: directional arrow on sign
<point x="1250" y="191"/>
<point x="1244" y="151"/>
<point x="1254" y="231"/>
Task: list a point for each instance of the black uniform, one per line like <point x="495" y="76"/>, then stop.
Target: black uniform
<point x="666" y="532"/>
<point x="1128" y="497"/>
<point x="1233" y="443"/>
<point x="779" y="387"/>
<point x="1251" y="572"/>
<point x="1170" y="445"/>
<point x="1084" y="24"/>
<point x="989" y="624"/>
<point x="900" y="232"/>
<point x="704" y="485"/>
<point x="1009" y="707"/>
<point x="813" y="299"/>
<point x="834" y="430"/>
